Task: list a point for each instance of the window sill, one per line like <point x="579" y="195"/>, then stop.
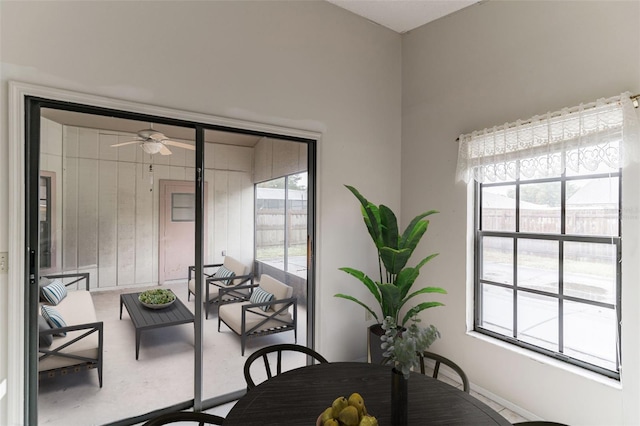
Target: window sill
<point x="589" y="375"/>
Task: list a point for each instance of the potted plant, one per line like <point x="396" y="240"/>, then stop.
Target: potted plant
<point x="392" y="291"/>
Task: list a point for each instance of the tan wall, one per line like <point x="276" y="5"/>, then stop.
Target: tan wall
<point x="492" y="63"/>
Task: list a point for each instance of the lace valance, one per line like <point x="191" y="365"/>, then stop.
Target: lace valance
<point x="583" y="138"/>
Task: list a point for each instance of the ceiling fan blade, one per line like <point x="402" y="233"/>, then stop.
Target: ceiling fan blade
<point x="124" y="143"/>
<point x="179" y="144"/>
<point x="164" y="151"/>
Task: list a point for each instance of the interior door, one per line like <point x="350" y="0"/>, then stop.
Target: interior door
<point x="177" y="229"/>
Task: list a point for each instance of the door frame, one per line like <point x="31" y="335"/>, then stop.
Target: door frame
<point x="24" y="101"/>
<point x="162" y="219"/>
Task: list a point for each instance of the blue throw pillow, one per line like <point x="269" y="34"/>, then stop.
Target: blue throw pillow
<point x="223" y="272"/>
<point x="259" y="295"/>
<point x="54" y="319"/>
<point x="54" y="292"/>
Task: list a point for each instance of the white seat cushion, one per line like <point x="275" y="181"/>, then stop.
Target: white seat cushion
<point x="235" y="266"/>
<point x="77" y="308"/>
<point x="231" y="314"/>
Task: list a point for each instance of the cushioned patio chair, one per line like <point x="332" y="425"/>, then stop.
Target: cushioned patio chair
<point x="217" y="276"/>
<point x="270" y="309"/>
<point x="278" y="350"/>
<point x="439" y="359"/>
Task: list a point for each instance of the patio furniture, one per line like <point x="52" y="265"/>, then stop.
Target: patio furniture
<point x="185" y="416"/>
<point x="216" y="276"/>
<point x="147" y="319"/>
<point x="298" y="397"/>
<point x="278" y="350"/>
<point x="439" y="359"/>
<point x="77" y="344"/>
<point x="260" y="316"/>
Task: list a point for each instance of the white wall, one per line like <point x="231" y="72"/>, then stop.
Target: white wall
<point x="306" y="65"/>
<point x="107" y="203"/>
<point x="489" y="64"/>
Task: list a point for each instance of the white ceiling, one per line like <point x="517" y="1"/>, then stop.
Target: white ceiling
<point x="402" y="15"/>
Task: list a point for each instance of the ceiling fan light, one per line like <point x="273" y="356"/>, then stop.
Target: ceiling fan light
<point x="151" y="147"/>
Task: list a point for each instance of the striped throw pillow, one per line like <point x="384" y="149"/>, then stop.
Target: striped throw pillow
<point x="223" y="272"/>
<point x="54" y="318"/>
<point x="259" y="295"/>
<point x="54" y="292"/>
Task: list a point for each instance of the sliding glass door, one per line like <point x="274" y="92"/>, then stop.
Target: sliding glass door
<point x="141" y="202"/>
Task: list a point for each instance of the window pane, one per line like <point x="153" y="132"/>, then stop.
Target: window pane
<point x="538" y="320"/>
<point x="297" y="215"/>
<point x="592" y="207"/>
<point x="499" y="208"/>
<point x="590" y="334"/>
<point x="497" y="310"/>
<point x="270" y="222"/>
<point x="538" y="264"/>
<point x="540" y="208"/>
<point x="183" y="207"/>
<point x="590" y="271"/>
<point x="497" y="259"/>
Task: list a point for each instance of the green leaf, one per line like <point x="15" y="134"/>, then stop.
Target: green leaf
<point x="390" y="300"/>
<point x="414" y="231"/>
<point x="394" y="260"/>
<point x="368" y="282"/>
<point x="353" y="299"/>
<point x="422" y="291"/>
<point x="419" y="308"/>
<point x="370" y="214"/>
<point x="388" y="227"/>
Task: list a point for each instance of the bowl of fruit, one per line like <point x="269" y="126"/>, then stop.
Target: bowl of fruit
<point x="158" y="298"/>
<point x="347" y="412"/>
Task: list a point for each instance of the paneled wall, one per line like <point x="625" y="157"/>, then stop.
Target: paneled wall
<point x="275" y="158"/>
<point x="108" y="203"/>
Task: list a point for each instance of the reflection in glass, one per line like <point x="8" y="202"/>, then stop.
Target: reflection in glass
<point x="590" y="334"/>
<point x="590" y="271"/>
<point x="593" y="207"/>
<point x="497" y="309"/>
<point x="499" y="208"/>
<point x="540" y="208"/>
<point x="270" y="222"/>
<point x="538" y="320"/>
<point x="297" y="217"/>
<point x="538" y="264"/>
<point x="497" y="259"/>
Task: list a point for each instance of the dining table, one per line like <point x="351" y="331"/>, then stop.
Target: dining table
<point x="298" y="397"/>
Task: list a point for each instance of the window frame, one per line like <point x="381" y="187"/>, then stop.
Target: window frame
<point x="561" y="237"/>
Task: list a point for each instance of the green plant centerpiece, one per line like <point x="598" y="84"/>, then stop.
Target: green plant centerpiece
<point x="157" y="298"/>
<point x="392" y="291"/>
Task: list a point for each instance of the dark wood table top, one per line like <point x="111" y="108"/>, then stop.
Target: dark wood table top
<point x="144" y="318"/>
<point x="299" y="396"/>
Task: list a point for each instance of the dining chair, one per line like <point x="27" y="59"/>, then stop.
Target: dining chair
<point x="439" y="359"/>
<point x="539" y="423"/>
<point x="278" y="350"/>
<point x="185" y="416"/>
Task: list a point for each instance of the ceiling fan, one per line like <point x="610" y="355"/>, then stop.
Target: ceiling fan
<point x="153" y="142"/>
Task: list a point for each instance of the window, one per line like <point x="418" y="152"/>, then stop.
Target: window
<point x="281" y="223"/>
<point x="183" y="207"/>
<point x="548" y="266"/>
<point x="548" y="237"/>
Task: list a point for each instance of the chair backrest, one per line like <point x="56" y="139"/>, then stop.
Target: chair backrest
<point x="185" y="416"/>
<point x="278" y="349"/>
<point x="279" y="289"/>
<point x="439" y="359"/>
<point x="235" y="266"/>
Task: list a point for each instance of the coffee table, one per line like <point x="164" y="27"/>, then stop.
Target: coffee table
<point x="146" y="319"/>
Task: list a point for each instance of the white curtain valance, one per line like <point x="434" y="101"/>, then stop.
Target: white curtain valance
<point x="582" y="138"/>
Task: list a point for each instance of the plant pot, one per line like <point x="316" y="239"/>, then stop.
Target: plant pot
<point x="375" y="352"/>
<point x="399" y="399"/>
